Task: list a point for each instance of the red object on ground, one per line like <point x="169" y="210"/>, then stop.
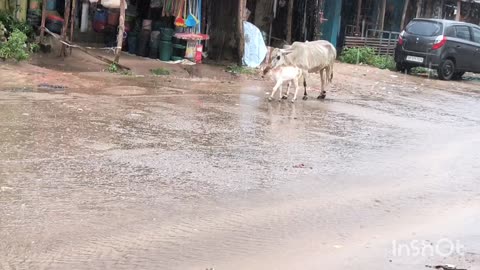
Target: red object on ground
<point x="198" y="54"/>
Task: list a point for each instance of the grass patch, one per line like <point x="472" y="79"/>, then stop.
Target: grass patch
<point x="235" y="69"/>
<point x="420" y="70"/>
<point x="114" y="68"/>
<point x="160" y="72"/>
<point x="367" y="56"/>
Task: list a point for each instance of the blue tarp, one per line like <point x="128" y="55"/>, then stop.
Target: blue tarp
<point x="255" y="48"/>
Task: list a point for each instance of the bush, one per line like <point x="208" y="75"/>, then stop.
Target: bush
<point x="357" y="55"/>
<point x="367" y="56"/>
<point x="3" y="33"/>
<point x="15" y="47"/>
<point x="11" y="23"/>
<point x="383" y="62"/>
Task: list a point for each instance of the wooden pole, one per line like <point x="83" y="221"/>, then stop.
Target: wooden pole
<point x="459" y="10"/>
<point x="241" y="35"/>
<point x="442" y="9"/>
<point x="359" y="14"/>
<point x="404" y="14"/>
<point x="419" y="8"/>
<point x="121" y="31"/>
<point x="289" y="21"/>
<point x="66" y="20"/>
<point x="382" y="14"/>
<point x="44" y="17"/>
<point x="72" y="24"/>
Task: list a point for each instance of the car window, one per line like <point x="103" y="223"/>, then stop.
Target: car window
<point x="463" y="32"/>
<point x="424" y="28"/>
<point x="476" y="35"/>
<point x="450" y="32"/>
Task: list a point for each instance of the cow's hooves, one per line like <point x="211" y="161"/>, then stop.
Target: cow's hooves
<point x="323" y="96"/>
<point x="305" y="97"/>
<point x="269" y="99"/>
<point x="284" y="97"/>
<point x="293" y="101"/>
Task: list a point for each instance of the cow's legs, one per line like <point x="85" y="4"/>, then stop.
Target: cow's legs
<point x="323" y="93"/>
<point x="305" y="95"/>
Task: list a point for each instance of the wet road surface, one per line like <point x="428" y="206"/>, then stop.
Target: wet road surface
<point x="198" y="175"/>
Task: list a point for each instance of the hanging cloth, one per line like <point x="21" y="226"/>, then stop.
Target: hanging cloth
<point x="180" y="21"/>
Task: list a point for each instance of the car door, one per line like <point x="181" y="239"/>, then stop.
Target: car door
<point x="464" y="47"/>
<point x="476" y="58"/>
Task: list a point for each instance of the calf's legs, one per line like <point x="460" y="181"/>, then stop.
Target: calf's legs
<point x="295" y="81"/>
<point x="288" y="90"/>
<point x="275" y="88"/>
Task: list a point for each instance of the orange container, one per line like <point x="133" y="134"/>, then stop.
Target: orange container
<point x="113" y="16"/>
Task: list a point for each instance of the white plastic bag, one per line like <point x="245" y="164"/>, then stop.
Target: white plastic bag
<point x="112" y="3"/>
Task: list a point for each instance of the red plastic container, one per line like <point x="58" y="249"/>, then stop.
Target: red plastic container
<point x="198" y="54"/>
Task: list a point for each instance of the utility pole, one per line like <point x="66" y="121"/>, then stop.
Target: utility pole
<point x="121" y="31"/>
<point x="241" y="35"/>
<point x="382" y="14"/>
<point x="289" y="21"/>
<point x="419" y="8"/>
<point x="404" y="14"/>
<point x="459" y="10"/>
<point x="359" y="14"/>
<point x="66" y="18"/>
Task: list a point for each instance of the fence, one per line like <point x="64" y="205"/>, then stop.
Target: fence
<point x="383" y="42"/>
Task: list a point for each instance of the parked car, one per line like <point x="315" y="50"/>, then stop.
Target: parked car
<point x="451" y="47"/>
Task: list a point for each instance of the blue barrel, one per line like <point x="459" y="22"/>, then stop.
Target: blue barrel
<point x="132" y="43"/>
<point x="51" y="5"/>
<point x="101" y="16"/>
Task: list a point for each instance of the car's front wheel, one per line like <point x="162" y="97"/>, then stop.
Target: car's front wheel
<point x="446" y="70"/>
<point x="458" y="76"/>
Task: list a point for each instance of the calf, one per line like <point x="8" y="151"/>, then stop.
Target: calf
<point x="283" y="74"/>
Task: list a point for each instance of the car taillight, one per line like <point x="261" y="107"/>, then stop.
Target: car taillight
<point x="439" y="42"/>
<point x="400" y="38"/>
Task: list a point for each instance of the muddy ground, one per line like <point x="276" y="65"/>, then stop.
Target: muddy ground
<point x="104" y="171"/>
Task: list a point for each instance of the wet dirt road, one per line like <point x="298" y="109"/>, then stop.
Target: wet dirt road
<point x="213" y="175"/>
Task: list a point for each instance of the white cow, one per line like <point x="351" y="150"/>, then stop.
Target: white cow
<point x="311" y="57"/>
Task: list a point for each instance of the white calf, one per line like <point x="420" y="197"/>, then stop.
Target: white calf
<point x="283" y="74"/>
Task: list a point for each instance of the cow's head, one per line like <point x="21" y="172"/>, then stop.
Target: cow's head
<point x="278" y="57"/>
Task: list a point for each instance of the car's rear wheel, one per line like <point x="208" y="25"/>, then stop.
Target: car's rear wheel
<point x="402" y="68"/>
<point x="446" y="70"/>
<point x="457" y="76"/>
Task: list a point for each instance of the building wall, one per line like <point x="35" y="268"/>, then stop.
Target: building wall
<point x="222" y="16"/>
<point x="331" y="28"/>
